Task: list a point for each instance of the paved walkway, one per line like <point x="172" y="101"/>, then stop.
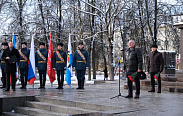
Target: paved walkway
<point x="149" y="104"/>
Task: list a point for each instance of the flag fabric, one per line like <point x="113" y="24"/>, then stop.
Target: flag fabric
<point x="13" y="40"/>
<point x="69" y="62"/>
<point x="133" y="76"/>
<point x="156" y="76"/>
<point x="50" y="70"/>
<point x="32" y="66"/>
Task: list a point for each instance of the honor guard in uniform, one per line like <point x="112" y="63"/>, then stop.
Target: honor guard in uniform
<point x="81" y="62"/>
<point x="23" y="64"/>
<point x="3" y="78"/>
<point x="59" y="63"/>
<point x="41" y="64"/>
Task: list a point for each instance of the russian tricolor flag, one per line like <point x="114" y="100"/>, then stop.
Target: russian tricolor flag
<point x="32" y="66"/>
<point x="69" y="62"/>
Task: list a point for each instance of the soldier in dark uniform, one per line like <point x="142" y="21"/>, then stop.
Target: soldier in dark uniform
<point x="23" y="64"/>
<point x="81" y="61"/>
<point x="41" y="64"/>
<point x="3" y="79"/>
<point x="11" y="56"/>
<point x="59" y="63"/>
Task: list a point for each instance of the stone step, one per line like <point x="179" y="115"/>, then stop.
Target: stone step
<point x="57" y="108"/>
<point x="36" y="112"/>
<point x="78" y="104"/>
<point x="13" y="114"/>
<point x="163" y="83"/>
<point x="178" y="89"/>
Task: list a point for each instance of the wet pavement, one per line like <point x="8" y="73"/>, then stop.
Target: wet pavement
<point x="149" y="104"/>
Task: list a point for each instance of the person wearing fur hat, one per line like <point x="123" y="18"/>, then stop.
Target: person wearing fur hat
<point x="3" y="78"/>
<point x="155" y="66"/>
<point x="59" y="63"/>
<point x="41" y="64"/>
<point x="81" y="61"/>
<point x="23" y="64"/>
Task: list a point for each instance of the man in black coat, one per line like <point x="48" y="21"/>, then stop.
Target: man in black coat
<point x="155" y="65"/>
<point x="133" y="64"/>
<point x="10" y="54"/>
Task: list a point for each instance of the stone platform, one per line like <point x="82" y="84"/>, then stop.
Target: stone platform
<point x="94" y="100"/>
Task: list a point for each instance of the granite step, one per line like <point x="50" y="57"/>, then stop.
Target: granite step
<point x="36" y="112"/>
<point x="13" y="114"/>
<point x="57" y="108"/>
<point x="78" y="104"/>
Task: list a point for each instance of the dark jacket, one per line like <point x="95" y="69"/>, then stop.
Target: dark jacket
<point x="23" y="64"/>
<point x="2" y="61"/>
<point x="133" y="60"/>
<point x="57" y="64"/>
<point x="155" y="62"/>
<point x="78" y="62"/>
<point x="40" y="63"/>
<point x="8" y="53"/>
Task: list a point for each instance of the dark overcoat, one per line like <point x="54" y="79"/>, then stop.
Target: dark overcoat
<point x="40" y="63"/>
<point x="24" y="64"/>
<point x="78" y="62"/>
<point x="155" y="62"/>
<point x="8" y="53"/>
<point x="133" y="60"/>
<point x="57" y="64"/>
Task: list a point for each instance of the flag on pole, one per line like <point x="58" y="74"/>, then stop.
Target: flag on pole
<point x="69" y="62"/>
<point x="13" y="40"/>
<point x="32" y="66"/>
<point x="50" y="70"/>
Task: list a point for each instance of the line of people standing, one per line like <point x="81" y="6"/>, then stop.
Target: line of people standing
<point x="9" y="53"/>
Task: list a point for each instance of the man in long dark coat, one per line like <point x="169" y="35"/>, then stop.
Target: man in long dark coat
<point x="10" y="54"/>
<point x="155" y="66"/>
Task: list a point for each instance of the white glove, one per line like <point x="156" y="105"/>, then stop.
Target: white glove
<point x="54" y="68"/>
<point x="86" y="67"/>
<point x="64" y="67"/>
<point x="74" y="68"/>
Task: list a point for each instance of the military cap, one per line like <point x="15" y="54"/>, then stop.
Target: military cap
<point x="80" y="43"/>
<point x="60" y="44"/>
<point x="24" y="43"/>
<point x="42" y="43"/>
<point x="154" y="46"/>
<point x="5" y="43"/>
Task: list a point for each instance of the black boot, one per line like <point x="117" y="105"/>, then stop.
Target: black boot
<point x="41" y="86"/>
<point x="61" y="83"/>
<point x="82" y="83"/>
<point x="79" y="84"/>
<point x="58" y="79"/>
<point x="22" y="82"/>
<point x="44" y="82"/>
<point x="25" y="84"/>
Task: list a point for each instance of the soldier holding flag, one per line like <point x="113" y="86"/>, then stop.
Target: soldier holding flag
<point x="41" y="63"/>
<point x="59" y="63"/>
<point x="23" y="64"/>
<point x="81" y="61"/>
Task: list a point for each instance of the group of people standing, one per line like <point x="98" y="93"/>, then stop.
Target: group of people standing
<point x="134" y="63"/>
<point x="10" y="57"/>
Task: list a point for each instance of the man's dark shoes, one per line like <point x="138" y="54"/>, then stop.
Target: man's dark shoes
<point x="159" y="92"/>
<point x="136" y="96"/>
<point x="40" y="87"/>
<point x="152" y="90"/>
<point x="6" y="90"/>
<point x="78" y="88"/>
<point x="129" y="96"/>
<point x="2" y="87"/>
<point x="58" y="88"/>
<point x="22" y="87"/>
<point x="14" y="89"/>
